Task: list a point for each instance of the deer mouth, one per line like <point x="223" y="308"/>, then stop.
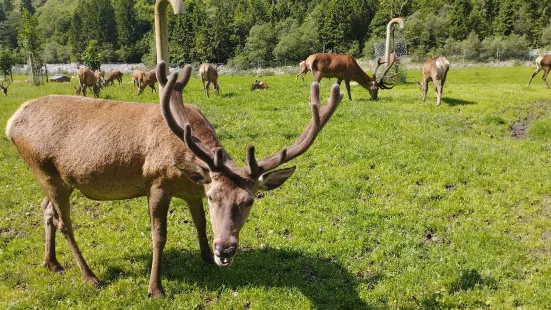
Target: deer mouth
<point x="222" y="261"/>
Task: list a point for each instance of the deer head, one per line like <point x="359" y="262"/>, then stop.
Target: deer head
<point x="230" y="190"/>
<point x="5" y="88"/>
<point x="378" y="82"/>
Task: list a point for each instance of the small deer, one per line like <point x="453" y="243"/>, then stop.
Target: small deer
<point x="149" y="79"/>
<point x="435" y="70"/>
<point x="114" y="76"/>
<point x="87" y="78"/>
<point x="137" y="78"/>
<point x="3" y="87"/>
<point x="542" y="63"/>
<point x="209" y="74"/>
<point x="141" y="149"/>
<point x="259" y="85"/>
<point x="303" y="69"/>
<point x="345" y="67"/>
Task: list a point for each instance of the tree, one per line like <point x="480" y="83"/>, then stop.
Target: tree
<point x="92" y="57"/>
<point x="27" y="5"/>
<point x="27" y="34"/>
<point x="7" y="60"/>
<point x="127" y="29"/>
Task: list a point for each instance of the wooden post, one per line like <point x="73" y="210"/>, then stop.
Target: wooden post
<point x="161" y="32"/>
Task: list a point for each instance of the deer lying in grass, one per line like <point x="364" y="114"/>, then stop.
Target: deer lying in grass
<point x="345" y="67"/>
<point x="149" y="79"/>
<point x="435" y="70"/>
<point x="5" y="88"/>
<point x="114" y="76"/>
<point x="87" y="78"/>
<point x="147" y="150"/>
<point x="303" y="69"/>
<point x="259" y="85"/>
<point x="209" y="74"/>
<point x="542" y="63"/>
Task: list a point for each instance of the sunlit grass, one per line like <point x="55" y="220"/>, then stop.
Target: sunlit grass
<point x="398" y="204"/>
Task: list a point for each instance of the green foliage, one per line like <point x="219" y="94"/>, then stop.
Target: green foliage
<point x="92" y="57"/>
<point x="8" y="59"/>
<point x="28" y="35"/>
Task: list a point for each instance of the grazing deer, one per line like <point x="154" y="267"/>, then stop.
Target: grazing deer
<point x="303" y="69"/>
<point x="345" y="67"/>
<point x="435" y="70"/>
<point x="137" y="78"/>
<point x="145" y="150"/>
<point x="5" y="88"/>
<point x="209" y="74"/>
<point x="149" y="79"/>
<point x="87" y="78"/>
<point x="259" y="85"/>
<point x="542" y="63"/>
<point x="114" y="76"/>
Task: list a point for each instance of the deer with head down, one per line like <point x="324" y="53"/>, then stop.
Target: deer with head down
<point x="303" y="69"/>
<point x="149" y="79"/>
<point x="116" y="75"/>
<point x="435" y="70"/>
<point x="345" y="67"/>
<point x="3" y="87"/>
<point x="87" y="78"/>
<point x="148" y="150"/>
<point x="542" y="63"/>
<point x="259" y="85"/>
<point x="209" y="74"/>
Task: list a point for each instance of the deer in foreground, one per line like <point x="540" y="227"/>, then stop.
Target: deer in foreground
<point x="149" y="79"/>
<point x="259" y="85"/>
<point x="137" y="78"/>
<point x="114" y="76"/>
<point x="5" y="88"/>
<point x="345" y="67"/>
<point x="148" y="150"/>
<point x="87" y="78"/>
<point x="209" y="74"/>
<point x="542" y="63"/>
<point x="435" y="70"/>
<point x="303" y="69"/>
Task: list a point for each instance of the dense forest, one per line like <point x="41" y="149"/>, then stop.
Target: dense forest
<point x="245" y="32"/>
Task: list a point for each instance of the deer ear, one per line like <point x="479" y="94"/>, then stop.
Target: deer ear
<point x="274" y="179"/>
<point x="200" y="175"/>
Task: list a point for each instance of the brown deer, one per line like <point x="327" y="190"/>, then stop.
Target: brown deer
<point x="259" y="85"/>
<point x="542" y="63"/>
<point x="137" y="78"/>
<point x="139" y="150"/>
<point x="87" y="78"/>
<point x="114" y="76"/>
<point x="303" y="69"/>
<point x="5" y="88"/>
<point x="149" y="79"/>
<point x="435" y="70"/>
<point x="345" y="67"/>
<point x="209" y="74"/>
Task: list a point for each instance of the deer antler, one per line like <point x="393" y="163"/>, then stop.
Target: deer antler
<point x="380" y="81"/>
<point x="320" y="116"/>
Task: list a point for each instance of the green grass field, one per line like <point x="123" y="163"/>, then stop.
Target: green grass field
<point x="398" y="204"/>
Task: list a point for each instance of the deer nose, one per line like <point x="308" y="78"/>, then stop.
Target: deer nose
<point x="225" y="251"/>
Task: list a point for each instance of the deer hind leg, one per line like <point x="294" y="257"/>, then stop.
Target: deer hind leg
<point x="153" y="87"/>
<point x="207" y="89"/>
<point x="424" y="88"/>
<point x="438" y="91"/>
<point x="347" y="83"/>
<point x="58" y="193"/>
<point x="538" y="69"/>
<point x="159" y="202"/>
<point x="545" y="73"/>
<point x="198" y="216"/>
<point x="51" y="222"/>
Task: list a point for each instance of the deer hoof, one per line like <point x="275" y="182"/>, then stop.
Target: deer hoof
<point x="208" y="258"/>
<point x="53" y="265"/>
<point x="94" y="281"/>
<point x="156" y="293"/>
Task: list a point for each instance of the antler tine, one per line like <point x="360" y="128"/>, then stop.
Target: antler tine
<point x="392" y="59"/>
<point x="320" y="116"/>
<point x="215" y="160"/>
<point x="161" y="73"/>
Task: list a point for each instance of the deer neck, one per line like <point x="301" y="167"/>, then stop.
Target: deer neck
<point x="362" y="78"/>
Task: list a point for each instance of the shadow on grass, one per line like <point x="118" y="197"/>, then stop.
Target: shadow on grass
<point x="228" y="95"/>
<point x="327" y="284"/>
<point x="454" y="101"/>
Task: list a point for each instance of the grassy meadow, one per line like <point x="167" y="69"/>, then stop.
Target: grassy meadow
<point x="398" y="204"/>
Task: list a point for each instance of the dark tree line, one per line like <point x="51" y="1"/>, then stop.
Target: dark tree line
<point x="260" y="31"/>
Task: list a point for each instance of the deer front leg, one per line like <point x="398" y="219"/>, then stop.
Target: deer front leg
<point x="158" y="209"/>
<point x="198" y="216"/>
<point x="347" y="83"/>
<point x="51" y="221"/>
<point x="534" y="74"/>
